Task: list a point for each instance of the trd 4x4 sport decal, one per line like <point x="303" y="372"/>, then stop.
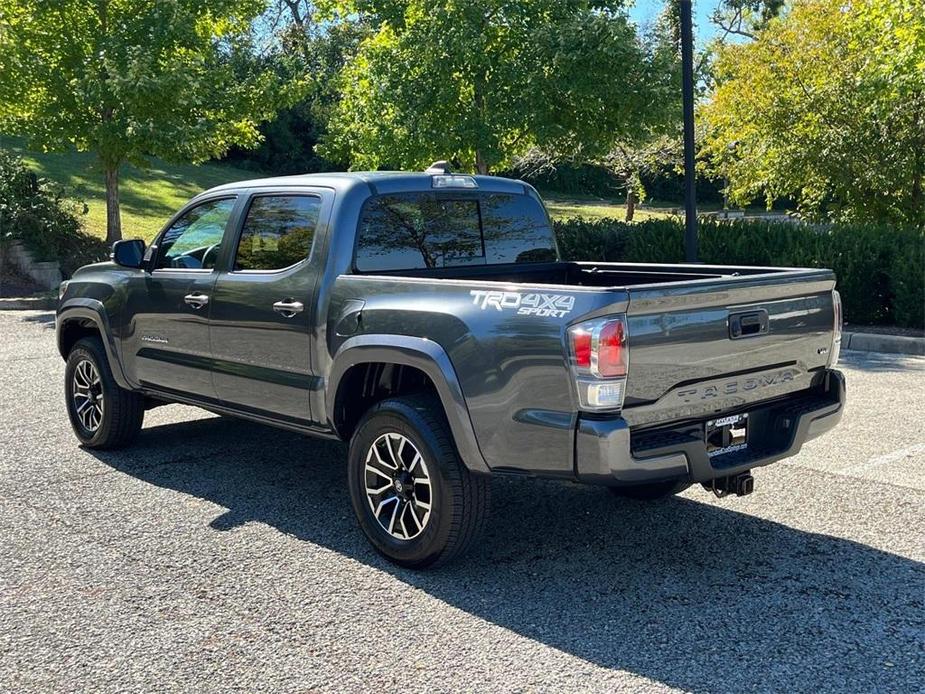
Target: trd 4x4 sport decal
<point x="531" y="304"/>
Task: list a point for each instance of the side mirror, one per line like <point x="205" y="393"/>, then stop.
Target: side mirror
<point x="128" y="252"/>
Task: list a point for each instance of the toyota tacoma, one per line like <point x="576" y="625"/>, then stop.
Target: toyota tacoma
<point x="427" y="320"/>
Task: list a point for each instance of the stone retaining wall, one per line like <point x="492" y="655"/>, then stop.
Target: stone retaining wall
<point x="47" y="275"/>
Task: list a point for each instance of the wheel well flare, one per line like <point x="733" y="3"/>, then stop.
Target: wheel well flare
<point x="73" y="330"/>
<point x="363" y="385"/>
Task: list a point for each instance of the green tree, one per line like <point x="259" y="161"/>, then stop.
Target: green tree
<point x="744" y="18"/>
<point x="827" y="105"/>
<point x="128" y="79"/>
<point x="656" y="150"/>
<point x="296" y="38"/>
<point x="630" y="163"/>
<point x="480" y="82"/>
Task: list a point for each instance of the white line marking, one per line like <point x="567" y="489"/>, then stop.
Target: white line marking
<point x="887" y="458"/>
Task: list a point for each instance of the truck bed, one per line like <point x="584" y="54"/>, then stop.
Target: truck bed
<point x="585" y="274"/>
<point x="684" y="362"/>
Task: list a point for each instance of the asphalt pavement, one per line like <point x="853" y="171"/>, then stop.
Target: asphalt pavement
<point x="219" y="555"/>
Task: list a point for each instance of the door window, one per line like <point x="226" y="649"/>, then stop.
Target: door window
<point x="193" y="241"/>
<point x="278" y="232"/>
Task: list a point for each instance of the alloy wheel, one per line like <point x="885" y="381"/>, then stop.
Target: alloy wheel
<point x="398" y="486"/>
<point x="87" y="395"/>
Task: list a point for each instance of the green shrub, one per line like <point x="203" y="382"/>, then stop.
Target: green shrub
<point x="592" y="239"/>
<point x="49" y="225"/>
<point x="658" y="240"/>
<point x="880" y="269"/>
<point x="908" y="280"/>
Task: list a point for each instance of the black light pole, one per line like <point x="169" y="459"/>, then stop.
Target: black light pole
<point x="687" y="91"/>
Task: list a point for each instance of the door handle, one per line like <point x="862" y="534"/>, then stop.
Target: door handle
<point x="197" y="301"/>
<point x="748" y="324"/>
<point x="288" y="307"/>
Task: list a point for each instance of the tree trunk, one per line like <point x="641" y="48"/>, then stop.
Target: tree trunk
<point x="481" y="166"/>
<point x="631" y="201"/>
<point x="113" y="218"/>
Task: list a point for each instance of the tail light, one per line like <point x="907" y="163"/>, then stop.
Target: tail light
<point x="836" y="329"/>
<point x="599" y="361"/>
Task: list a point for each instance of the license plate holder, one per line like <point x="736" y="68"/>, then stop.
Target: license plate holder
<point x="726" y="434"/>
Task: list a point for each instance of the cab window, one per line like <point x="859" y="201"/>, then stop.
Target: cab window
<point x="278" y="232"/>
<point x="425" y="230"/>
<point x="194" y="240"/>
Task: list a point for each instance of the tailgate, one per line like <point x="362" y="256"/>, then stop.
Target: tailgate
<point x="715" y="345"/>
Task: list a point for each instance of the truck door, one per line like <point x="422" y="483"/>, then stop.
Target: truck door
<point x="167" y="344"/>
<point x="262" y="306"/>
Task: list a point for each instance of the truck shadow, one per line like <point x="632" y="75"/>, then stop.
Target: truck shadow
<point x="684" y="593"/>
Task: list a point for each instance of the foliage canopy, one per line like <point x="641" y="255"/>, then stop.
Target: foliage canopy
<point x="827" y="105"/>
<point x="126" y="79"/>
<point x="482" y="81"/>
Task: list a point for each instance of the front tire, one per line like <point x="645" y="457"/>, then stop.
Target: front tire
<point x="102" y="414"/>
<point x="413" y="497"/>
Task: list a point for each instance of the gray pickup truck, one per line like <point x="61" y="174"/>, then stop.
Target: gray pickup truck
<point x="427" y="320"/>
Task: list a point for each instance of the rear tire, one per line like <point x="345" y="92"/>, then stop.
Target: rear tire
<point x="403" y="449"/>
<point x="651" y="491"/>
<point x="102" y="414"/>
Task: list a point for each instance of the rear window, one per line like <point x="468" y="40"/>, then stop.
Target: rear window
<point x="411" y="231"/>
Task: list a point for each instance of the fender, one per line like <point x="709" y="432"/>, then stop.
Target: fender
<point x="422" y="354"/>
<point x="82" y="308"/>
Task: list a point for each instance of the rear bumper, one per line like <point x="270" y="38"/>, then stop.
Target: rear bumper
<point x="607" y="452"/>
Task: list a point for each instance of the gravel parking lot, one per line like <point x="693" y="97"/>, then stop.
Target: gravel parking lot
<point x="218" y="555"/>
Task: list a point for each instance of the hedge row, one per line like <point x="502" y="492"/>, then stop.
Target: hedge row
<point x="880" y="269"/>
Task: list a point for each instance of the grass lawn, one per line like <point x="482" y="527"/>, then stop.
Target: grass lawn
<point x="569" y="206"/>
<point x="149" y="196"/>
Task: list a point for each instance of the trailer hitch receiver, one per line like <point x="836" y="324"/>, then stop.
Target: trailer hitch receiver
<point x="740" y="485"/>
